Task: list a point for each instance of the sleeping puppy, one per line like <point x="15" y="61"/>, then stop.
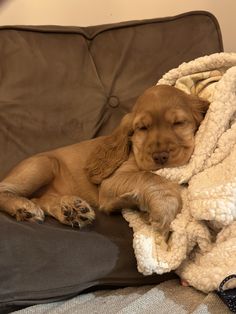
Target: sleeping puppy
<point x="111" y="172"/>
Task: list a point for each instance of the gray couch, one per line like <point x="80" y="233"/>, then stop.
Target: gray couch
<point x="60" y="85"/>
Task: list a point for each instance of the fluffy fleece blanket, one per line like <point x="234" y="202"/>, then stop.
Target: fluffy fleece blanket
<point x="202" y="244"/>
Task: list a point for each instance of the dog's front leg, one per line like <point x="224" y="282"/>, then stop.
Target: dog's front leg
<point x="144" y="190"/>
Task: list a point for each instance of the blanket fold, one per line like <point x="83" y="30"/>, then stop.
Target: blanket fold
<point x="202" y="244"/>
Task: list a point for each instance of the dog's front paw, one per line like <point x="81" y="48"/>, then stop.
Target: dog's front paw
<point x="28" y="211"/>
<point x="164" y="209"/>
<point x="75" y="212"/>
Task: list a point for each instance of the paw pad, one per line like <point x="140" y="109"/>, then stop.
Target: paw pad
<point x="31" y="214"/>
<point x="76" y="212"/>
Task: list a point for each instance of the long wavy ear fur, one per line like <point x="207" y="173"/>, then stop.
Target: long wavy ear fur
<point x="199" y="109"/>
<point x="114" y="150"/>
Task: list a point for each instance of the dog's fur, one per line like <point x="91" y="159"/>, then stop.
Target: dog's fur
<point x="114" y="171"/>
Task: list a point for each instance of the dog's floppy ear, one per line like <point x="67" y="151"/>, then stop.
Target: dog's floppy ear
<point x="111" y="153"/>
<point x="199" y="108"/>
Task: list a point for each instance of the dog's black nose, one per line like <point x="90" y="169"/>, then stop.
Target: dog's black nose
<point x="161" y="157"/>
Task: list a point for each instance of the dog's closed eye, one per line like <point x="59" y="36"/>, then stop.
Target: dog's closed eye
<point x="142" y="122"/>
<point x="180" y="123"/>
<point x="142" y="128"/>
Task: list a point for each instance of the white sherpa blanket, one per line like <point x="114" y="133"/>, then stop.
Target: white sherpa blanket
<point x="202" y="245"/>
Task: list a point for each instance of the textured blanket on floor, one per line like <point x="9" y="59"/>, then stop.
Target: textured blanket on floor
<point x="202" y="244"/>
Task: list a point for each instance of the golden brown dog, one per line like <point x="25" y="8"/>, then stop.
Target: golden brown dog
<point x="114" y="171"/>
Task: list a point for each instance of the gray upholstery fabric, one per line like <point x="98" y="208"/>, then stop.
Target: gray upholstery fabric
<point x="168" y="297"/>
<point x="60" y="85"/>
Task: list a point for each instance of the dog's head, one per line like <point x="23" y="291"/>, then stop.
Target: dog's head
<point x="164" y="125"/>
<point x="159" y="131"/>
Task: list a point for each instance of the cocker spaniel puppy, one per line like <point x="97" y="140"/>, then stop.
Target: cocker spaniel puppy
<point x="111" y="172"/>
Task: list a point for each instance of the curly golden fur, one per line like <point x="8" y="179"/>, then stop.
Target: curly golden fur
<point x="114" y="171"/>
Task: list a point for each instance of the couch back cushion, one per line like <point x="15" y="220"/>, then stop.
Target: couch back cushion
<point x="60" y="85"/>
